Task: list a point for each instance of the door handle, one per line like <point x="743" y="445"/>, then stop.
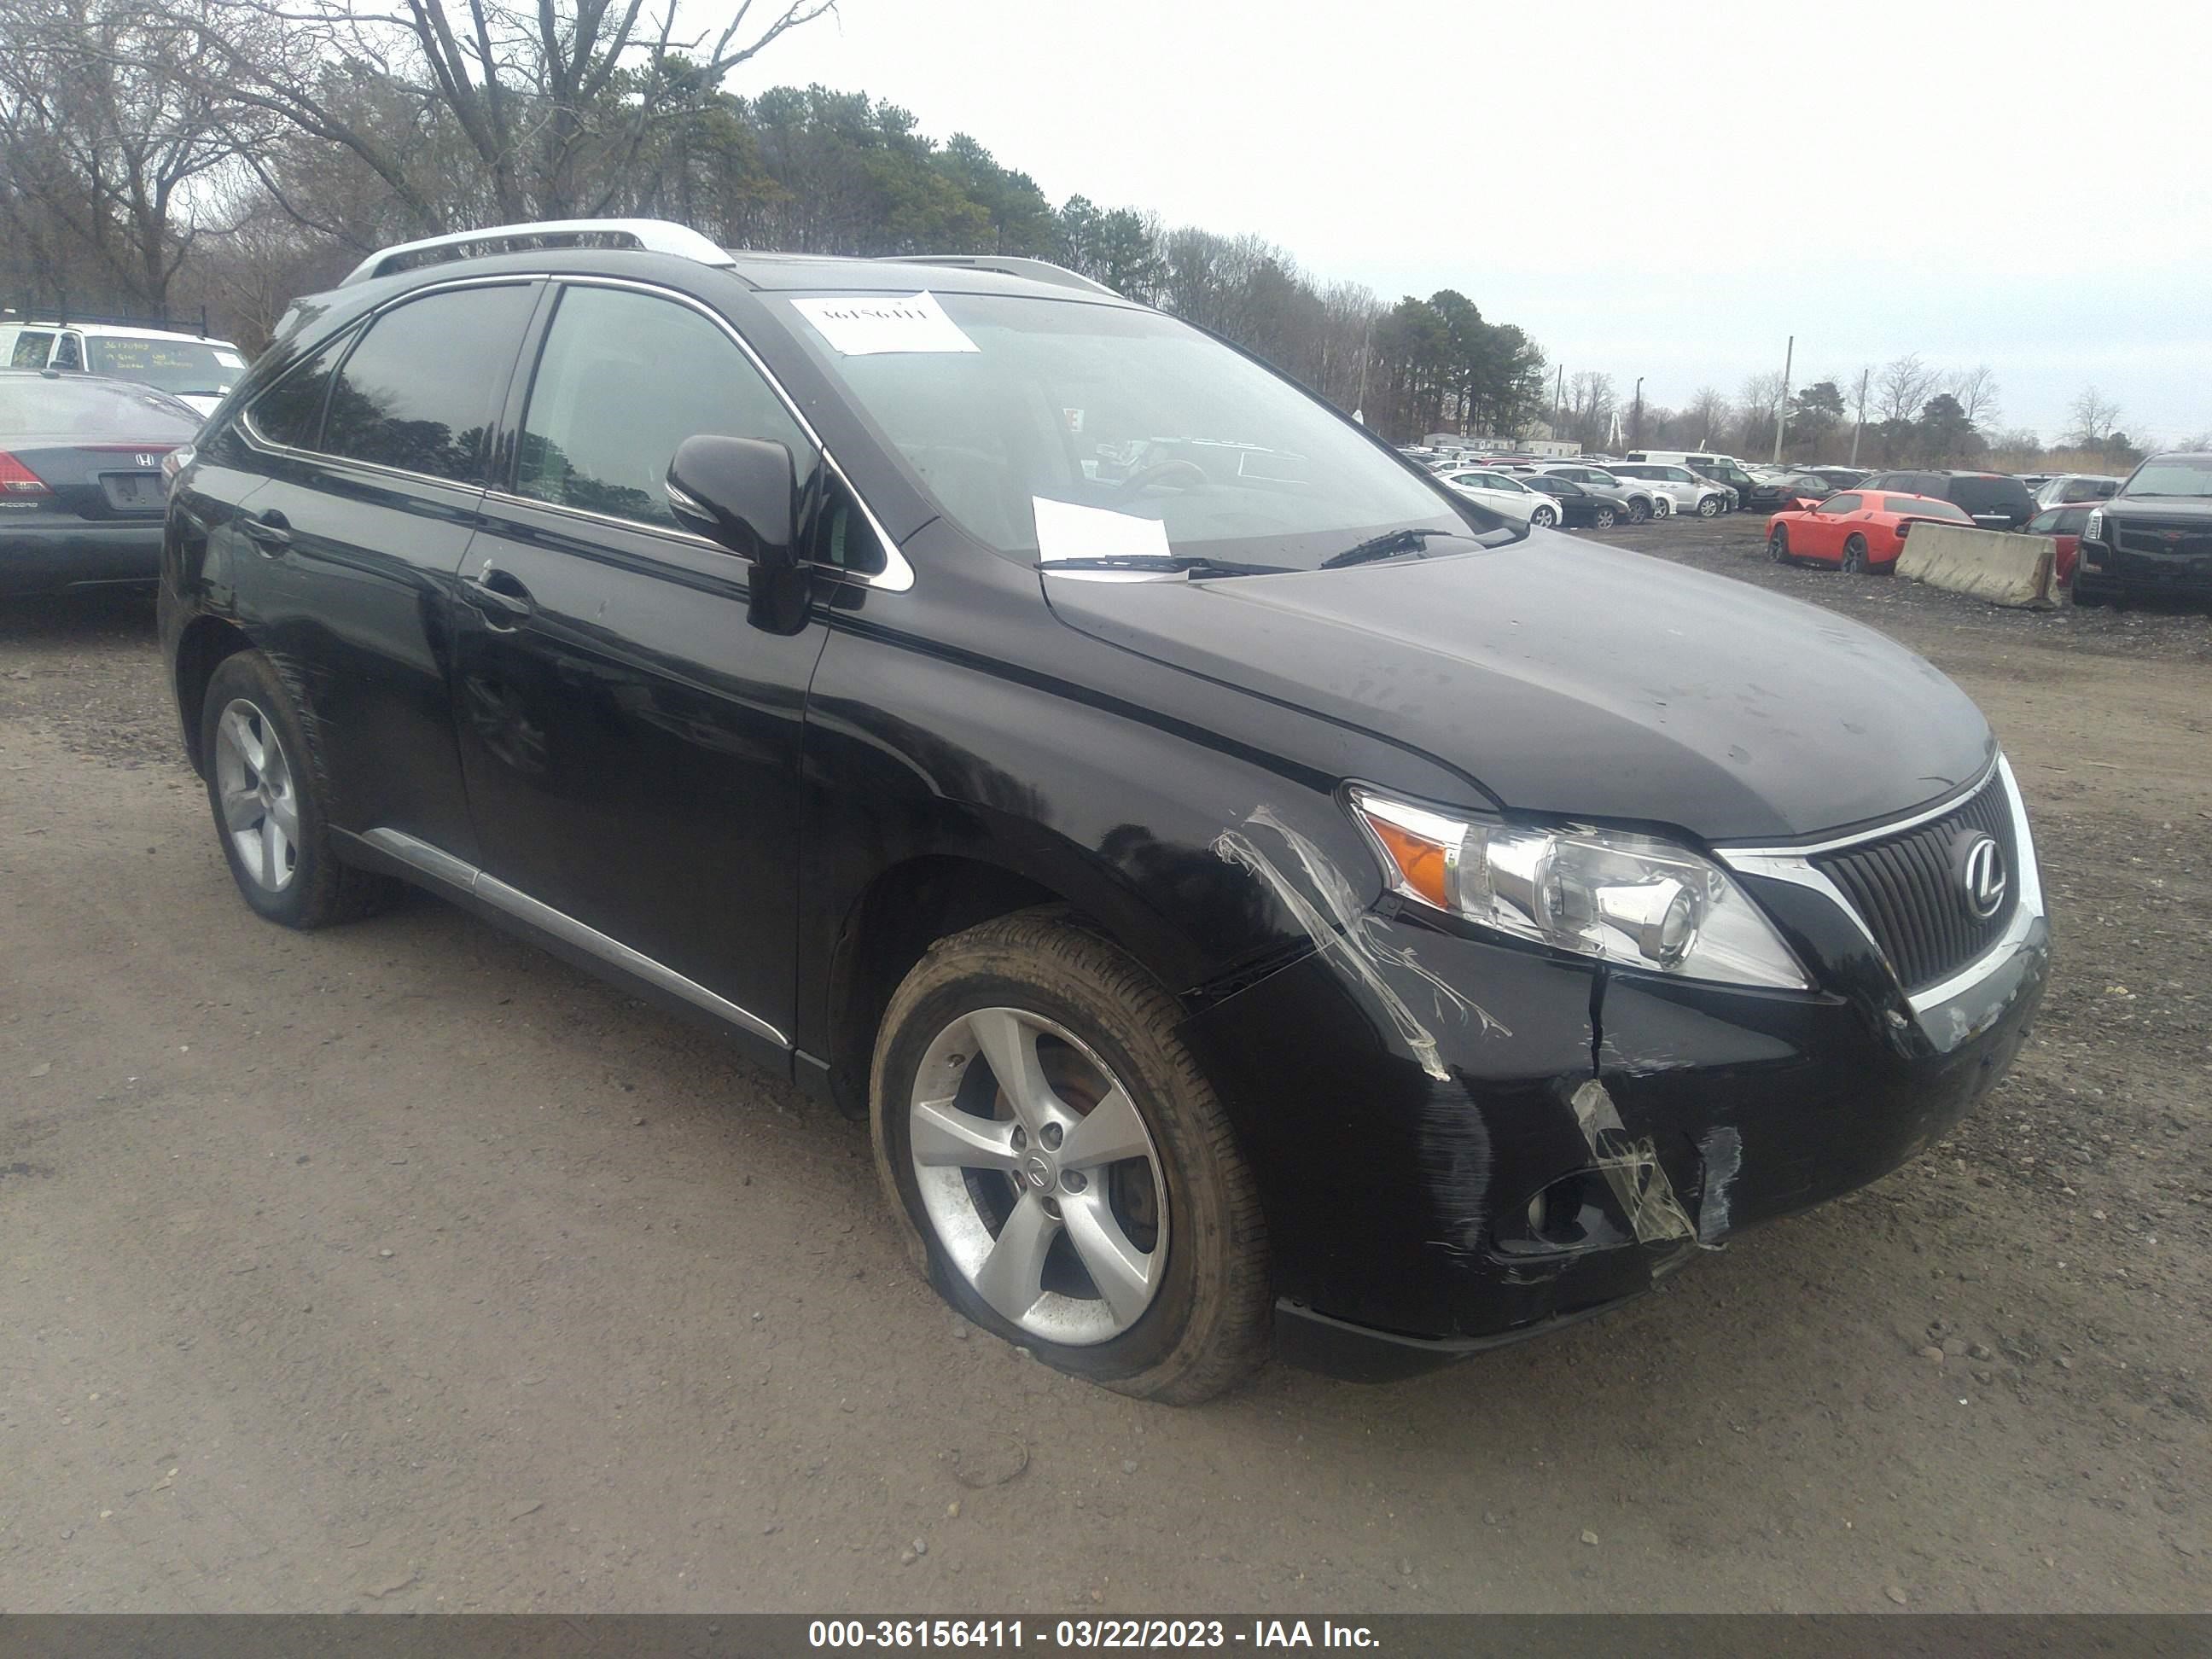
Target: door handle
<point x="509" y="604"/>
<point x="271" y="532"/>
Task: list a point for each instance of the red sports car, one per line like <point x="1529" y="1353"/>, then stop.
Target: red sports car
<point x="1858" y="529"/>
<point x="2063" y="525"/>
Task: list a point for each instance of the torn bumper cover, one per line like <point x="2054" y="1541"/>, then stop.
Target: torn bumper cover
<point x="1463" y="1141"/>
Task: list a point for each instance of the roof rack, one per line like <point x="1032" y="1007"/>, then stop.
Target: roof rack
<point x="62" y="316"/>
<point x="644" y="235"/>
<point x="1007" y="265"/>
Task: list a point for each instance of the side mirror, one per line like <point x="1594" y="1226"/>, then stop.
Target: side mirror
<point x="741" y="493"/>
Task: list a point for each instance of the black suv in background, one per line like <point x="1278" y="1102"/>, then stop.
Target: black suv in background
<point x="1250" y="890"/>
<point x="1995" y="500"/>
<point x="2153" y="536"/>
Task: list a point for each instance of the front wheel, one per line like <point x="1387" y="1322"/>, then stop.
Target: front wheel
<point x="1544" y="517"/>
<point x="1709" y="507"/>
<point x="1662" y="507"/>
<point x="1777" y="545"/>
<point x="1067" y="1173"/>
<point x="1602" y="518"/>
<point x="1855" y="555"/>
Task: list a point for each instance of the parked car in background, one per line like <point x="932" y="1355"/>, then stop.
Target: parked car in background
<point x="1677" y="485"/>
<point x="2035" y="480"/>
<point x="1841" y="478"/>
<point x="1780" y="487"/>
<point x="1725" y="471"/>
<point x="1857" y="530"/>
<point x="1503" y="494"/>
<point x="2153" y="536"/>
<point x="1995" y="500"/>
<point x="2063" y="525"/>
<point x="81" y="479"/>
<point x="1641" y="502"/>
<point x="1580" y="503"/>
<point x="2069" y="487"/>
<point x="195" y="369"/>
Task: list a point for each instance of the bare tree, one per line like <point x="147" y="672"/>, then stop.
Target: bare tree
<point x="1903" y="386"/>
<point x="1757" y="405"/>
<point x="2095" y="418"/>
<point x="1709" y="413"/>
<point x="104" y="133"/>
<point x="1975" y="389"/>
<point x="554" y="102"/>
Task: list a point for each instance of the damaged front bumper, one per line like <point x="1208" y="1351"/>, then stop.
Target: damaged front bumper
<point x="1497" y="1141"/>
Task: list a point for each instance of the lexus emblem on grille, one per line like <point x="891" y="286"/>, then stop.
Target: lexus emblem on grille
<point x="1982" y="876"/>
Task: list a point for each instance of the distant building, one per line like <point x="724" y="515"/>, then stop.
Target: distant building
<point x="1504" y="446"/>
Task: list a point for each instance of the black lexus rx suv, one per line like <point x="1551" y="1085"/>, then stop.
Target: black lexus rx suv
<point x="1254" y="894"/>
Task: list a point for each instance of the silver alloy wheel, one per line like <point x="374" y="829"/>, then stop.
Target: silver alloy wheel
<point x="1039" y="1177"/>
<point x="1709" y="506"/>
<point x="260" y="806"/>
<point x="1543" y="517"/>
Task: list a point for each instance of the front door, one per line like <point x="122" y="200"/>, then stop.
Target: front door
<point x="630" y="742"/>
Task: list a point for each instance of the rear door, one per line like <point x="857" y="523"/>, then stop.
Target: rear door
<point x="375" y="453"/>
<point x="630" y="741"/>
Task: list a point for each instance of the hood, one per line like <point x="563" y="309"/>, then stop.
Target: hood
<point x="2153" y="507"/>
<point x="1577" y="680"/>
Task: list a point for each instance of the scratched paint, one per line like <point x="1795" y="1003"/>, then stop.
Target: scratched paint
<point x="1327" y="906"/>
<point x="1722" y="1149"/>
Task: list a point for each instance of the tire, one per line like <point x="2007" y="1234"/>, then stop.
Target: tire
<point x="1662" y="506"/>
<point x="1709" y="506"/>
<point x="1777" y="545"/>
<point x="1080" y="1018"/>
<point x="2087" y="601"/>
<point x="1544" y="517"/>
<point x="1602" y="518"/>
<point x="1638" y="511"/>
<point x="1855" y="555"/>
<point x="267" y="793"/>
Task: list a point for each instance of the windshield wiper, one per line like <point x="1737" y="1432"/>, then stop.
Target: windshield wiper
<point x="1388" y="546"/>
<point x="1191" y="565"/>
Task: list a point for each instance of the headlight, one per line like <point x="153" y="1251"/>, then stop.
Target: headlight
<point x="1629" y="899"/>
<point x="2093" y="528"/>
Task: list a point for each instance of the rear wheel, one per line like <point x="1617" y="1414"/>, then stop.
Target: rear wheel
<point x="2088" y="600"/>
<point x="1777" y="545"/>
<point x="1638" y="511"/>
<point x="269" y="802"/>
<point x="1662" y="507"/>
<point x="1068" y="1173"/>
<point x="1855" y="555"/>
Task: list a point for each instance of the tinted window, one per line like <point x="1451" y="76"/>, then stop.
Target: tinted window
<point x="31" y="350"/>
<point x="68" y="352"/>
<point x="606" y="414"/>
<point x="419" y="392"/>
<point x="1924" y="507"/>
<point x="31" y="406"/>
<point x="1842" y="504"/>
<point x="1991" y="496"/>
<point x="291" y="411"/>
<point x="2071" y="520"/>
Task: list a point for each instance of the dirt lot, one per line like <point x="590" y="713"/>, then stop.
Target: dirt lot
<point x="401" y="1266"/>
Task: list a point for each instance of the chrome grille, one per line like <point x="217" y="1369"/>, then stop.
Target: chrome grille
<point x="1906" y="889"/>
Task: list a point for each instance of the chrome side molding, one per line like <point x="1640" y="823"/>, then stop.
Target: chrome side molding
<point x="446" y="871"/>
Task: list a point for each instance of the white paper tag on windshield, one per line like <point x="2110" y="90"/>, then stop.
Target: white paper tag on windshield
<point x="1066" y="531"/>
<point x="230" y="360"/>
<point x="864" y="325"/>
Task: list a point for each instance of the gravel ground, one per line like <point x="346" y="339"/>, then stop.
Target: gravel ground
<point x="400" y="1267"/>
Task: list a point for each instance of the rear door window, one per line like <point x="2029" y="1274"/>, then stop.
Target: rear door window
<point x="32" y="347"/>
<point x="1991" y="496"/>
<point x="420" y="392"/>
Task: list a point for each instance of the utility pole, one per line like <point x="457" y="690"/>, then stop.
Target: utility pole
<point x="1859" y="425"/>
<point x="1636" y="427"/>
<point x="1782" y="409"/>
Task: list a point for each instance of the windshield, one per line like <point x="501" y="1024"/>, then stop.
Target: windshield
<point x="191" y="369"/>
<point x="34" y="406"/>
<point x="2181" y="477"/>
<point x="1136" y="431"/>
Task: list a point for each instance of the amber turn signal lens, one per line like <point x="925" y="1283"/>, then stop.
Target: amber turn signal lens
<point x="1422" y="863"/>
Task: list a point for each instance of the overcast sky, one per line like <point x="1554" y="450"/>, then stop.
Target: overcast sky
<point x="1655" y="189"/>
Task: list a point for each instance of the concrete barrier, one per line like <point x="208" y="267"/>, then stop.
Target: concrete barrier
<point x="1996" y="565"/>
